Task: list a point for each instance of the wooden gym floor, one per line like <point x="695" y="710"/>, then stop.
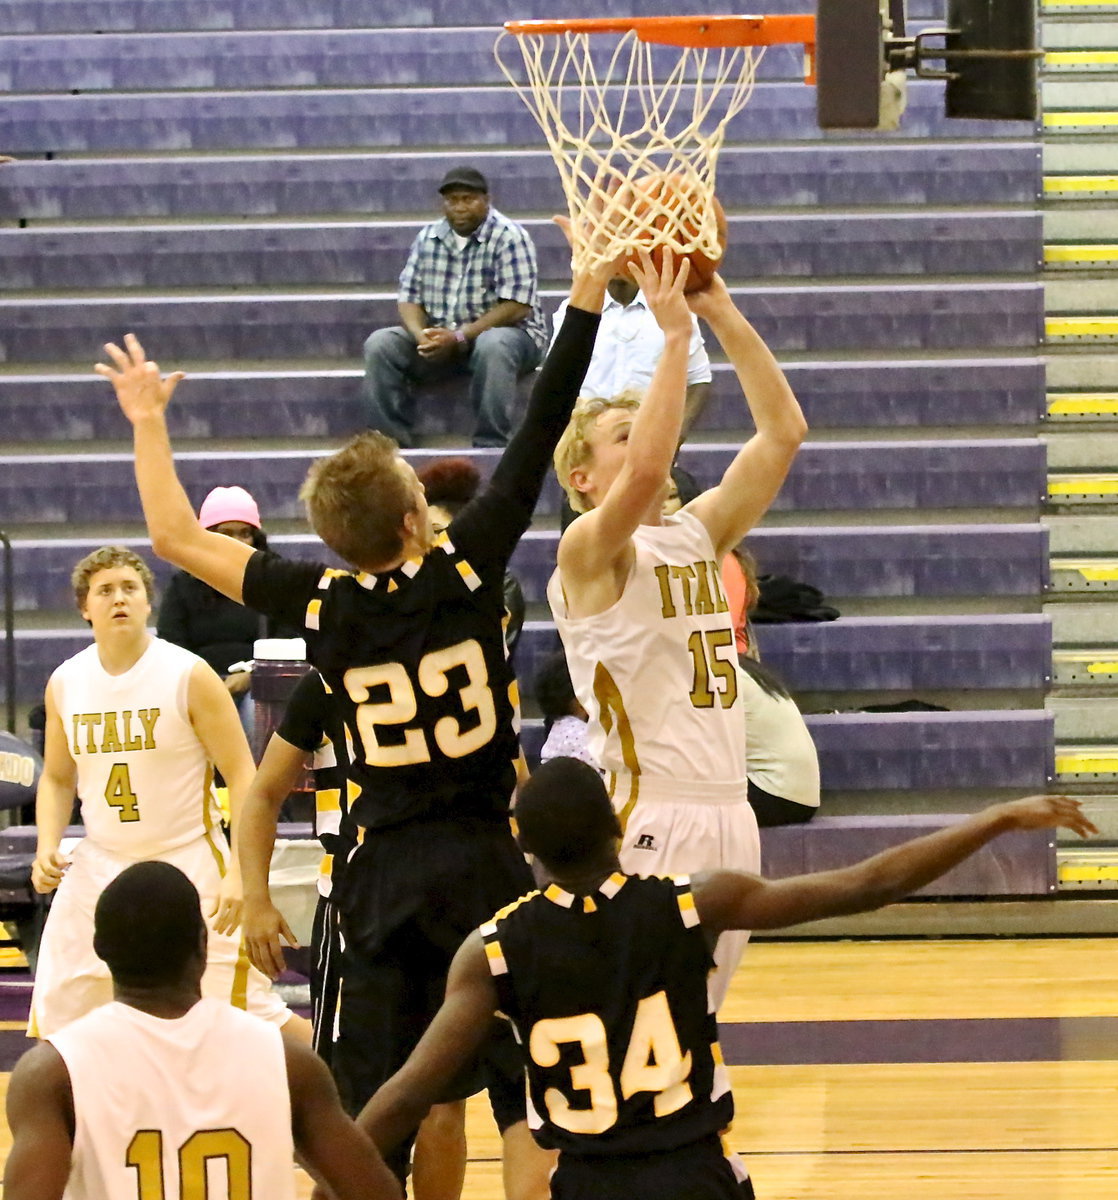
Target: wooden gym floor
<point x="907" y="1070"/>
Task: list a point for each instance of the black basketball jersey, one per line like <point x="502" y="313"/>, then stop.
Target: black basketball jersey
<point x="415" y="661"/>
<point x="608" y="997"/>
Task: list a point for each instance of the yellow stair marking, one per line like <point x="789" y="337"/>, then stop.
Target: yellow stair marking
<point x="1077" y="873"/>
<point x="1093" y="570"/>
<point x="1101" y="760"/>
<point x="1059" y="184"/>
<point x="1081" y="58"/>
<point x="1098" y="5"/>
<point x="1079" y="404"/>
<point x="1081" y="252"/>
<point x="1081" y="327"/>
<point x="1083" y="485"/>
<point x="1093" y="119"/>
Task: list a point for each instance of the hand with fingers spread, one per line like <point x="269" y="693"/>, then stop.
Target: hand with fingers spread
<point x="663" y="290"/>
<point x="140" y="389"/>
<point x="265" y="931"/>
<point x="1050" y="812"/>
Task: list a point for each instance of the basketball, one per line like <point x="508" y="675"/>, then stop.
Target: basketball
<point x="664" y="206"/>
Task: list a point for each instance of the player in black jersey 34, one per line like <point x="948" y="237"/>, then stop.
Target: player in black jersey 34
<point x="604" y="978"/>
<point x="409" y="642"/>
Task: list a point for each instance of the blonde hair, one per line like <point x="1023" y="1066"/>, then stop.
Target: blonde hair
<point x="573" y="449"/>
<point x="105" y="559"/>
<point x="357" y="499"/>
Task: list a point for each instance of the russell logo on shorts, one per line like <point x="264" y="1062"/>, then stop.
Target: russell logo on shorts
<point x="645" y="842"/>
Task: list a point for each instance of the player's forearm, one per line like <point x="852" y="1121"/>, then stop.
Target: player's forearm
<point x="902" y="870"/>
<point x="394" y="1113"/>
<point x="772" y="403"/>
<point x="655" y="433"/>
<point x="170" y="518"/>
<point x="254" y="838"/>
<point x="54" y="801"/>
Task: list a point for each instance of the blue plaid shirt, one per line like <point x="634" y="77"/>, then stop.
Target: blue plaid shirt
<point x="456" y="286"/>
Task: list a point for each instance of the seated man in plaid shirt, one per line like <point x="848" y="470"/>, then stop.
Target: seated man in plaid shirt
<point x="467" y="305"/>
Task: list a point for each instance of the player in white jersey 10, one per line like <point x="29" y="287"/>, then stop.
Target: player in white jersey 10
<point x="162" y="1094"/>
<point x="638" y="599"/>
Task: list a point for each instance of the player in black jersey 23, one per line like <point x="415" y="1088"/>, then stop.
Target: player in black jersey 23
<point x="604" y="978"/>
<point x="410" y="644"/>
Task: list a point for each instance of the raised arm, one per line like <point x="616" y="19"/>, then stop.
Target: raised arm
<point x="596" y="543"/>
<point x="751" y="482"/>
<point x="328" y="1141"/>
<point x="176" y="535"/>
<point x="734" y="900"/>
<point x="54" y="801"/>
<point x="455" y="1035"/>
<point x="40" y="1108"/>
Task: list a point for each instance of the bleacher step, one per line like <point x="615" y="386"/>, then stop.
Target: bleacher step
<point x="1094" y="669"/>
<point x="1092" y="487"/>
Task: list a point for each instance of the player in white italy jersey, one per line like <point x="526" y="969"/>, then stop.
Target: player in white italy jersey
<point x="135" y="727"/>
<point x="639" y="604"/>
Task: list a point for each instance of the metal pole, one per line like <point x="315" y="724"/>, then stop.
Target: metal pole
<point x="9" y="631"/>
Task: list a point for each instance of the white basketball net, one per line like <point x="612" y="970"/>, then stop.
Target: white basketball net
<point x="610" y="121"/>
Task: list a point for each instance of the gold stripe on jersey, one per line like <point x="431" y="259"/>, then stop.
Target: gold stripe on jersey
<point x="393" y="586"/>
<point x="511" y="908"/>
<point x="558" y="896"/>
<point x="411" y="567"/>
<point x="720" y="1083"/>
<point x="495" y="956"/>
<point x="239" y="995"/>
<point x="588" y="905"/>
<point x="328" y="800"/>
<point x="367" y="581"/>
<point x="686" y="901"/>
<point x="314" y="609"/>
<point x="442" y="540"/>
<point x="330" y="574"/>
<point x="611" y="711"/>
<point x="613" y="885"/>
<point x="326" y="866"/>
<point x="469" y="575"/>
<point x="208" y="819"/>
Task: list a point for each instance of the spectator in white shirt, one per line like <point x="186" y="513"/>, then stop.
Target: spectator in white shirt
<point x="629" y="345"/>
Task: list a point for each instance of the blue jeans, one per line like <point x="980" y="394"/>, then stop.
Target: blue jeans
<point x="496" y="359"/>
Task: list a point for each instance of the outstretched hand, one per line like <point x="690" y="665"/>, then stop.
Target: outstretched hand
<point x="1051" y="812"/>
<point x="140" y="389"/>
<point x="709" y="300"/>
<point x="663" y="289"/>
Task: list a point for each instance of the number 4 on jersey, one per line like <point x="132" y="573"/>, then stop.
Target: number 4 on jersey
<point x="119" y="793"/>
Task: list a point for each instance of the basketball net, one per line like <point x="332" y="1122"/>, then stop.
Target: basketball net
<point x="611" y="122"/>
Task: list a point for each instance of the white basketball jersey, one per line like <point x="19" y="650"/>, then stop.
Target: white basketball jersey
<point x="657" y="672"/>
<point x="196" y="1107"/>
<point x="144" y="779"/>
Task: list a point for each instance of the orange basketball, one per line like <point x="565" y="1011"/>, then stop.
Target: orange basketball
<point x="666" y="199"/>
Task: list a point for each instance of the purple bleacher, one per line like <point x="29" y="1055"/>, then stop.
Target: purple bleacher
<point x="272" y="255"/>
<point x="294" y="58"/>
<point x="902" y="316"/>
<point x="93" y="16"/>
<point x="1022" y="863"/>
<point x="302" y="404"/>
<point x="866" y="561"/>
<point x="428" y="116"/>
<point x="881" y="654"/>
<point x="38" y="489"/>
<point x="524" y="181"/>
<point x="871" y="752"/>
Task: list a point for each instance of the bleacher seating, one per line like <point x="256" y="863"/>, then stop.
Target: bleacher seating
<point x="524" y="181"/>
<point x="832" y="476"/>
<point x="298" y="255"/>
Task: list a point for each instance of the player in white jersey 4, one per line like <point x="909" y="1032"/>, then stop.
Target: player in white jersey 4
<point x="164" y="1095"/>
<point x="134" y="728"/>
<point x="639" y="604"/>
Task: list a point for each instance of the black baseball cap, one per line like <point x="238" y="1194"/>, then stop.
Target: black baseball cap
<point x="464" y="177"/>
